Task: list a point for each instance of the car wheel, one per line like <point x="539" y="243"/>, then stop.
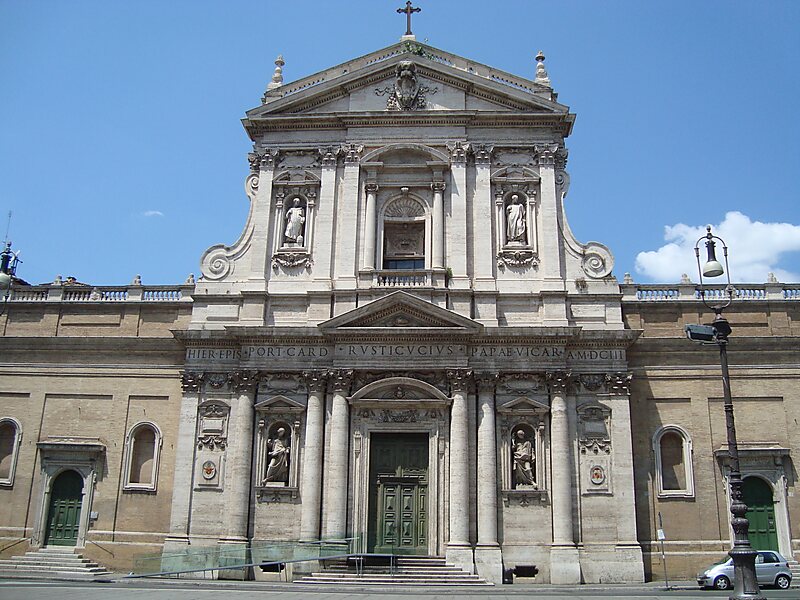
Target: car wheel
<point x="783" y="582"/>
<point x="722" y="583"/>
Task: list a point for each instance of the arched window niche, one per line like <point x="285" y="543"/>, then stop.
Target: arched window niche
<point x="142" y="457"/>
<point x="10" y="439"/>
<point x="406" y="234"/>
<point x="277" y="461"/>
<point x="673" y="453"/>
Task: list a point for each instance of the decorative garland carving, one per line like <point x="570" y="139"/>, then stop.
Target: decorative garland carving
<point x="517" y="258"/>
<point x="213" y="427"/>
<point x="290" y="260"/>
<point x="399" y="416"/>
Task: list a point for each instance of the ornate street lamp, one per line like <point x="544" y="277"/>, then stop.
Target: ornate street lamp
<point x="745" y="584"/>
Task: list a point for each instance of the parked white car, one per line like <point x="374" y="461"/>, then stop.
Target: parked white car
<point x="771" y="569"/>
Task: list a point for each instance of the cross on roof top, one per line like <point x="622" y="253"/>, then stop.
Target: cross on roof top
<point x="408" y="10"/>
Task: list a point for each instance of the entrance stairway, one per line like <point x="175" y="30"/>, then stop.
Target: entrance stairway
<point x="408" y="570"/>
<point x="53" y="563"/>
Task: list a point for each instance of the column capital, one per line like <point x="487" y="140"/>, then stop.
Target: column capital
<point x="264" y="159"/>
<point x="352" y="153"/>
<point x="244" y="381"/>
<point x="192" y="380"/>
<point x="558" y="381"/>
<point x="460" y="380"/>
<point x="458" y="152"/>
<point x="438" y="186"/>
<point x="483" y="154"/>
<point x="371" y="188"/>
<point x="546" y="154"/>
<point x="339" y="380"/>
<point x="315" y="380"/>
<point x="329" y="155"/>
<point x="486" y="381"/>
<point x="619" y="383"/>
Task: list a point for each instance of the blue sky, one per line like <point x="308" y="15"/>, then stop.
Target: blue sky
<point x="121" y="150"/>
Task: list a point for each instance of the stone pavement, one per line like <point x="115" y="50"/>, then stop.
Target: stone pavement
<point x="212" y="590"/>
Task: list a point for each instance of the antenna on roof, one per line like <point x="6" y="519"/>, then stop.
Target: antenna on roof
<point x="8" y="227"/>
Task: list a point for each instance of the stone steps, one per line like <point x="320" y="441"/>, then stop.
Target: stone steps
<point x="408" y="571"/>
<point x="53" y="563"/>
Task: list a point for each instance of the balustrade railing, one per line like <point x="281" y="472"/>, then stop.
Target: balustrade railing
<point x="692" y="292"/>
<point x="103" y="294"/>
<point x="402" y="279"/>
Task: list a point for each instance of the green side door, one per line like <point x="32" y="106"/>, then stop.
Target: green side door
<point x="65" y="510"/>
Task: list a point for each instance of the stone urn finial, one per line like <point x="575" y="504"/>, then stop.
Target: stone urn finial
<point x="541" y="72"/>
<point x="277" y="76"/>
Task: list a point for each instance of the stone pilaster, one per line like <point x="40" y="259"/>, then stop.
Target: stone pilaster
<point x="488" y="557"/>
<point x="459" y="550"/>
<point x="564" y="560"/>
<point x="484" y="251"/>
<point x="336" y="471"/>
<point x="311" y="485"/>
<point x="346" y="252"/>
<point x="259" y="188"/>
<point x="191" y="382"/>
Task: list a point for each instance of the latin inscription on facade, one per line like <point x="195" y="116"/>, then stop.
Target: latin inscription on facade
<point x="373" y="352"/>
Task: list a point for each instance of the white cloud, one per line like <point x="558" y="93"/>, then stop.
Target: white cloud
<point x="152" y="213"/>
<point x="754" y="249"/>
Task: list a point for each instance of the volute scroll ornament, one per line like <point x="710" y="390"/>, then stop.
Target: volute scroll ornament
<point x="598" y="262"/>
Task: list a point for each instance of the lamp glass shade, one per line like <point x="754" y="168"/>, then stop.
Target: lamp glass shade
<point x="5" y="281"/>
<point x="713" y="268"/>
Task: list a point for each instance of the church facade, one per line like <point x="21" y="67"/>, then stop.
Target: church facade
<point x="407" y="349"/>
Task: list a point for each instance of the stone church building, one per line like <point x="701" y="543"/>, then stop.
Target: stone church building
<point x="407" y="349"/>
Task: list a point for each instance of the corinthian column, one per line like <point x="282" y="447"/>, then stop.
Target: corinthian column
<point x="438" y="225"/>
<point x="371" y="190"/>
<point x="311" y="486"/>
<point x="459" y="550"/>
<point x="564" y="561"/>
<point x="240" y="455"/>
<point x="488" y="558"/>
<point x="336" y="472"/>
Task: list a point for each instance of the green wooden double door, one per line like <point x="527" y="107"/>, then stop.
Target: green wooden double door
<point x="757" y="495"/>
<point x="63" y="515"/>
<point x="398" y="493"/>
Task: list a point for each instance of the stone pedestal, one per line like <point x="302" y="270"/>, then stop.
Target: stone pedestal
<point x="565" y="565"/>
<point x="489" y="563"/>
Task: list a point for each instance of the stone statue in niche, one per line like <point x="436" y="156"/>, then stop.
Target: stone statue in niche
<point x="524" y="461"/>
<point x="278" y="454"/>
<point x="295" y="224"/>
<point x="515" y="223"/>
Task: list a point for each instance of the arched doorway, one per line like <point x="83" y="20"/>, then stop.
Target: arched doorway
<point x="63" y="515"/>
<point x="757" y="495"/>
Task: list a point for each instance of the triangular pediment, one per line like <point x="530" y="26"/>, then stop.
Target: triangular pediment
<point x="401" y="311"/>
<point x="523" y="405"/>
<point x="279" y="403"/>
<point x="449" y="82"/>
